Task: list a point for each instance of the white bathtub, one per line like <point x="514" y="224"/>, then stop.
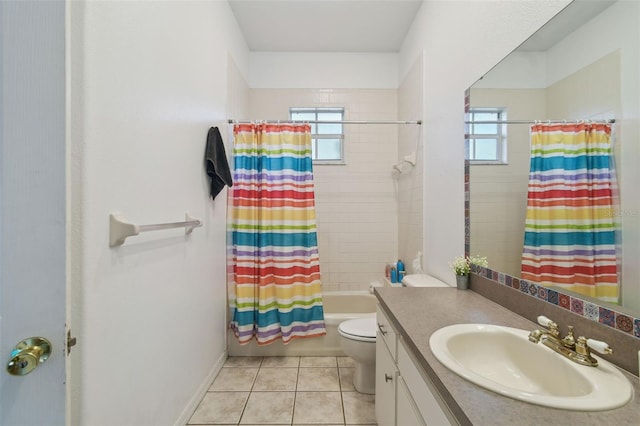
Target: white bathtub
<point x="338" y="306"/>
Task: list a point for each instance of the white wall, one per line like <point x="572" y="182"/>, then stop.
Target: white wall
<point x="458" y="49"/>
<point x="148" y="79"/>
<point x="238" y="97"/>
<point x="312" y="70"/>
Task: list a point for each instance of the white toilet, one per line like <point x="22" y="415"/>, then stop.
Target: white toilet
<point x="358" y="341"/>
<point x="358" y="338"/>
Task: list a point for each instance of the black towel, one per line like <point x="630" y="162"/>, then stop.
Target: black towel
<point x="216" y="162"/>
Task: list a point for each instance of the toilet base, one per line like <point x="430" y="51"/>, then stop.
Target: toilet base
<point x="364" y="378"/>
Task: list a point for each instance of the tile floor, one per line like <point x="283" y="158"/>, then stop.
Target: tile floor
<point x="285" y="391"/>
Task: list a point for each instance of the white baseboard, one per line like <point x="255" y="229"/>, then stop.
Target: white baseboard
<point x="200" y="393"/>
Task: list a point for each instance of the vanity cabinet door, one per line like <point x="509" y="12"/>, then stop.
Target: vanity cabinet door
<point x="427" y="400"/>
<point x="386" y="332"/>
<point x="407" y="412"/>
<point x="386" y="379"/>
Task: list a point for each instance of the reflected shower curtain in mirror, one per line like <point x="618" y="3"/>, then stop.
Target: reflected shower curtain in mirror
<point x="570" y="229"/>
<point x="276" y="291"/>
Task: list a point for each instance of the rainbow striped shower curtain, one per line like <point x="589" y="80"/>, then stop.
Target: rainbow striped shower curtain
<point x="570" y="227"/>
<point x="276" y="292"/>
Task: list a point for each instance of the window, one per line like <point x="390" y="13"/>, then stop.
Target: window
<point x="327" y="139"/>
<point x="486" y="141"/>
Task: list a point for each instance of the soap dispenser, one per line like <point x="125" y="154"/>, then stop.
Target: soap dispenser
<point x="401" y="270"/>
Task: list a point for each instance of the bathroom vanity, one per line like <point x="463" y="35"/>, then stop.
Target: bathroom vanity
<point x="403" y="397"/>
<point x="414" y="388"/>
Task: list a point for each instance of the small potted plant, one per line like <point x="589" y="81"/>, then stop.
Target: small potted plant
<point x="462" y="267"/>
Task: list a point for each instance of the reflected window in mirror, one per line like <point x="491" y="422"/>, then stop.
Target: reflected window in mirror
<point x="487" y="136"/>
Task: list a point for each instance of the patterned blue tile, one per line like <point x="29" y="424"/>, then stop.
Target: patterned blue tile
<point x="624" y="323"/>
<point x="508" y="280"/>
<point x="636" y="327"/>
<point x="577" y="306"/>
<point x="542" y="293"/>
<point x="524" y="286"/>
<point x="591" y="311"/>
<point x="564" y="301"/>
<point x="533" y="289"/>
<point x="606" y="316"/>
<point x="553" y="297"/>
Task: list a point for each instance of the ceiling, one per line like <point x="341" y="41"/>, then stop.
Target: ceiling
<point x="325" y="25"/>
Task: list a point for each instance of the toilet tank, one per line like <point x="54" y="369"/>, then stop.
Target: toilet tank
<point x="422" y="280"/>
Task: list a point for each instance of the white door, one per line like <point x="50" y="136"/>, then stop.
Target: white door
<point x="33" y="209"/>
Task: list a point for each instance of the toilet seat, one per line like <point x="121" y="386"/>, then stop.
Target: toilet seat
<point x="361" y="329"/>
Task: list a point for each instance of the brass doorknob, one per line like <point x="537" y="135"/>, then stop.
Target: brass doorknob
<point x="28" y="354"/>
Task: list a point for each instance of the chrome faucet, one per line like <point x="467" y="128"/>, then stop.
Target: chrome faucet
<point x="577" y="350"/>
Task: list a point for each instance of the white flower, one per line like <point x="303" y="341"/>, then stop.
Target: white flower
<point x="479" y="260"/>
<point x="462" y="265"/>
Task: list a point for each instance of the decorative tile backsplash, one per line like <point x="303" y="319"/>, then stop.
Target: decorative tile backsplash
<point x="587" y="309"/>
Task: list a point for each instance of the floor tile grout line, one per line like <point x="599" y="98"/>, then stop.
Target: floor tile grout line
<point x="244" y="408"/>
<point x="295" y="395"/>
<point x="344" y="414"/>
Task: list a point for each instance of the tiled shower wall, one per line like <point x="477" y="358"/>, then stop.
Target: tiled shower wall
<point x="356" y="203"/>
<point x="409" y="183"/>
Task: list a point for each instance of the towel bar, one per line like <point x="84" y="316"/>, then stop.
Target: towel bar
<point x="120" y="229"/>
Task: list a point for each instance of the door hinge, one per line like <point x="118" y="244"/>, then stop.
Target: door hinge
<point x="71" y="341"/>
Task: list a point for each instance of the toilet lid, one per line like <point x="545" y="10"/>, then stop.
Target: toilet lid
<point x="363" y="329"/>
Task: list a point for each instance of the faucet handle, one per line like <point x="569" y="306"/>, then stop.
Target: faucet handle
<point x="552" y="326"/>
<point x="546" y="322"/>
<point x="583" y="354"/>
<point x="599" y="346"/>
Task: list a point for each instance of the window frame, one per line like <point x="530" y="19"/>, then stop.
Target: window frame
<point x="315" y="136"/>
<point x="500" y="137"/>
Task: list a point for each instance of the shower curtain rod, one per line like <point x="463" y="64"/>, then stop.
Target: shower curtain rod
<point x="609" y="121"/>
<point x="418" y="122"/>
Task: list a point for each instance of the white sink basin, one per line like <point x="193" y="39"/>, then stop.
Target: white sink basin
<point x="503" y="360"/>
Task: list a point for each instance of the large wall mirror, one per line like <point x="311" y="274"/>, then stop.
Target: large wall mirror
<point x="582" y="65"/>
